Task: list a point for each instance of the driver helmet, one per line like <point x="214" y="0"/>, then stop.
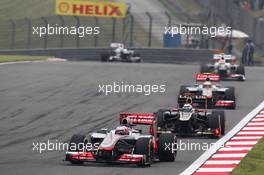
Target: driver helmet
<point x="187" y="107"/>
<point x="121" y="46"/>
<point x="207" y="84"/>
<point x="122" y="130"/>
<point x="222" y="60"/>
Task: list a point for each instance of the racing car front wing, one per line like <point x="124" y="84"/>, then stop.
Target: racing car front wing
<point x="88" y="157"/>
<point x="239" y="77"/>
<point x="224" y="103"/>
<point x="205" y="102"/>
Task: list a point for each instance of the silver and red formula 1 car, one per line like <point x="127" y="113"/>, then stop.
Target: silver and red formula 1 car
<point x="226" y="67"/>
<point x="209" y="94"/>
<point x="124" y="144"/>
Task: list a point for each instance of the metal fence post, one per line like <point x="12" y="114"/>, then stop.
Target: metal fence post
<point x="78" y="36"/>
<point x="13" y="33"/>
<point x="169" y="18"/>
<point x="131" y="42"/>
<point x="46" y="26"/>
<point x="113" y="29"/>
<point x="150" y="28"/>
<point x="96" y="36"/>
<point x="61" y="35"/>
<point x="28" y="33"/>
<point x="261" y="34"/>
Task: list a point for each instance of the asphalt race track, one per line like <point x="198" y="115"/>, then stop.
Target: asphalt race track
<point x="53" y="100"/>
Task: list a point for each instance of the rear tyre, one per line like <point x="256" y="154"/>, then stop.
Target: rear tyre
<point x="217" y="121"/>
<point x="136" y="55"/>
<point x="105" y="57"/>
<point x="240" y="70"/>
<point x="160" y="118"/>
<point x="205" y="68"/>
<point x="76" y="144"/>
<point x="230" y="95"/>
<point x="167" y="154"/>
<point x="183" y="90"/>
<point x="144" y="147"/>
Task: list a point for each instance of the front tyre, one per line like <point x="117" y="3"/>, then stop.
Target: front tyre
<point x="144" y="146"/>
<point x="77" y="144"/>
<point x="217" y="121"/>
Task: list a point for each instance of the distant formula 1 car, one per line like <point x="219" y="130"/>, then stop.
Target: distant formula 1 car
<point x="190" y="121"/>
<point x="120" y="54"/>
<point x="208" y="95"/>
<point x="226" y="67"/>
<point x="124" y="144"/>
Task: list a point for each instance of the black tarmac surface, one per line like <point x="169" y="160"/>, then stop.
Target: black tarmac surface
<point x="53" y="100"/>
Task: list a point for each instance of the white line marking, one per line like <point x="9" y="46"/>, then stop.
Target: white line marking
<point x="250" y="132"/>
<point x="18" y="62"/>
<point x="246" y="137"/>
<point x="215" y="169"/>
<point x="222" y="162"/>
<point x="253" y="128"/>
<point x="207" y="154"/>
<point x="258" y="120"/>
<point x="236" y="148"/>
<point x="255" y="124"/>
<point x="260" y="116"/>
<point x="230" y="155"/>
<point x="241" y="143"/>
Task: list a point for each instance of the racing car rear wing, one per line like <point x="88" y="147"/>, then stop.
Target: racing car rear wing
<point x="198" y="101"/>
<point x="136" y="119"/>
<point x="115" y="45"/>
<point x="207" y="76"/>
<point x="226" y="57"/>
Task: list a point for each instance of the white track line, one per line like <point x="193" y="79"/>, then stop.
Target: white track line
<point x="255" y="124"/>
<point x="214" y="169"/>
<point x="221" y="162"/>
<point x="229" y="155"/>
<point x="207" y="154"/>
<point x="260" y="116"/>
<point x="251" y="132"/>
<point x="258" y="120"/>
<point x="246" y="137"/>
<point x="241" y="143"/>
<point x="253" y="128"/>
<point x="236" y="148"/>
<point x="19" y="62"/>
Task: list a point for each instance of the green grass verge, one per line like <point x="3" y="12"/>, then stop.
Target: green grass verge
<point x="13" y="58"/>
<point x="253" y="163"/>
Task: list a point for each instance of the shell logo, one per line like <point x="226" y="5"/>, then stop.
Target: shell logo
<point x="63" y="7"/>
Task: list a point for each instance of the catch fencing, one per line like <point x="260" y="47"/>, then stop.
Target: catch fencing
<point x="136" y="30"/>
<point x="235" y="16"/>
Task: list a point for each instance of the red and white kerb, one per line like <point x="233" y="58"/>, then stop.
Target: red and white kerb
<point x="223" y="161"/>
